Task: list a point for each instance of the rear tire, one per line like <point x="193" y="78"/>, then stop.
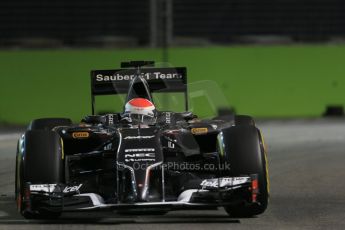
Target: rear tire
<point x="41" y="163"/>
<point x="244" y="151"/>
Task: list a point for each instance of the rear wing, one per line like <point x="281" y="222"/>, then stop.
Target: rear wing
<point x="117" y="81"/>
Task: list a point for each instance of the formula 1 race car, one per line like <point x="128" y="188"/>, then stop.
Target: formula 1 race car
<point x="142" y="158"/>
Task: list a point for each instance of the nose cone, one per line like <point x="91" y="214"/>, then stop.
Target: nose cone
<point x="140" y="155"/>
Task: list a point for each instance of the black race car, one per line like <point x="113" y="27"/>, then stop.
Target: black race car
<point x="141" y="159"/>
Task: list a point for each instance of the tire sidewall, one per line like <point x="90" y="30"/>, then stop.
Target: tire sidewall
<point x="244" y="150"/>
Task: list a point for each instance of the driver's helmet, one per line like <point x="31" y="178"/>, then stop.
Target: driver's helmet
<point x="140" y="110"/>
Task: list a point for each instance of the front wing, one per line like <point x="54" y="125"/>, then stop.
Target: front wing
<point x="213" y="193"/>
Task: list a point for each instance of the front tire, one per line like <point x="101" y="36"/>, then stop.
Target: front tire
<point x="48" y="123"/>
<point x="244" y="120"/>
<point x="244" y="150"/>
<point x="39" y="161"/>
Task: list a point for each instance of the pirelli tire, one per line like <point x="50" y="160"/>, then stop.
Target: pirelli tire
<point x="237" y="119"/>
<point x="244" y="120"/>
<point x="39" y="161"/>
<point x="242" y="147"/>
<point x="48" y="123"/>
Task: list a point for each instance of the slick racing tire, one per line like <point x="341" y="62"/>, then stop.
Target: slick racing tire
<point x="237" y="119"/>
<point x="39" y="161"/>
<point x="244" y="151"/>
<point x="48" y="123"/>
<point x="244" y="120"/>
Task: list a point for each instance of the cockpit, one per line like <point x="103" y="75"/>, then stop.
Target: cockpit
<point x="139" y="107"/>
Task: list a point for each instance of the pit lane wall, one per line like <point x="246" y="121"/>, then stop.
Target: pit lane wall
<point x="264" y="81"/>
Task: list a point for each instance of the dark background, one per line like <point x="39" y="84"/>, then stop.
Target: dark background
<point x="88" y="23"/>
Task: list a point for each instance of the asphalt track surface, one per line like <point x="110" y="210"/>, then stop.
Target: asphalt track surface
<point x="307" y="173"/>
